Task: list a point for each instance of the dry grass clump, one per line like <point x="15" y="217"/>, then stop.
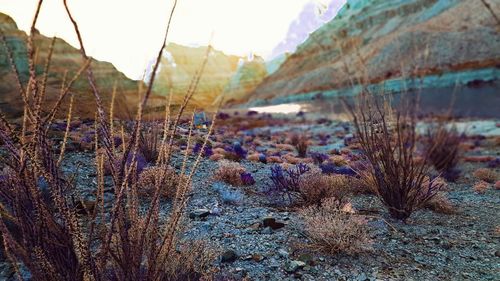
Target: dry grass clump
<point x="41" y="223"/>
<point x="480" y="187"/>
<point x="192" y="261"/>
<point x="301" y="144"/>
<point x="443" y="149"/>
<point x="315" y="186"/>
<point x="147" y="182"/>
<point x="440" y="204"/>
<point x="229" y="172"/>
<point x="485" y="174"/>
<point x="332" y="230"/>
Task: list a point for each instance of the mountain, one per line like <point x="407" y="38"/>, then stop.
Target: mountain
<point x="313" y="16"/>
<point x="180" y="64"/>
<point x="250" y="73"/>
<point x="387" y="41"/>
<point x="65" y="59"/>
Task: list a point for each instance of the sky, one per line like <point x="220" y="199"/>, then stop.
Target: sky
<point x="128" y="33"/>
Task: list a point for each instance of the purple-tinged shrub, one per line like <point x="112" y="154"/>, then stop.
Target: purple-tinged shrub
<point x="285" y="182"/>
<point x="117" y="141"/>
<point x="252" y="113"/>
<point x="223" y="116"/>
<point x="207" y="151"/>
<point x="494" y="163"/>
<point x="139" y="159"/>
<point x="88" y="137"/>
<point x="330" y="168"/>
<point x="263" y="158"/>
<point x="247" y="179"/>
<point x="236" y="152"/>
<point x="318" y="157"/>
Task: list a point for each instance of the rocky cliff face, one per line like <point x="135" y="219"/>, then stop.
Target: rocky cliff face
<point x="66" y="60"/>
<point x="375" y="41"/>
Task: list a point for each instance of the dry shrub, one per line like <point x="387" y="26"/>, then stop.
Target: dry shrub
<point x="481" y="187"/>
<point x="147" y="180"/>
<point x="338" y="160"/>
<point x="440" y="204"/>
<point x="229" y="172"/>
<point x="41" y="226"/>
<point x="315" y="187"/>
<point x="254" y="157"/>
<point x="301" y="144"/>
<point x="443" y="147"/>
<point x="485" y="174"/>
<point x="389" y="142"/>
<point x="285" y="147"/>
<point x="497" y="185"/>
<point x="192" y="261"/>
<point x="274" y="159"/>
<point x="216" y="157"/>
<point x="332" y="230"/>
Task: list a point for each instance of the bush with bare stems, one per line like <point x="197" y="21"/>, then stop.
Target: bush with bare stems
<point x="147" y="182"/>
<point x="229" y="172"/>
<point x="389" y="142"/>
<point x="314" y="187"/>
<point x="41" y="226"/>
<point x="332" y="230"/>
<point x="443" y="149"/>
<point x="301" y="144"/>
<point x="485" y="174"/>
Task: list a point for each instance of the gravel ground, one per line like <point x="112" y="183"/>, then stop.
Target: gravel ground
<point x="430" y="246"/>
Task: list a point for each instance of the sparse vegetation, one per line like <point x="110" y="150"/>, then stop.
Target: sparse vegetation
<point x="315" y="186"/>
<point x="443" y="149"/>
<point x="41" y="224"/>
<point x="485" y="174"/>
<point x="332" y="229"/>
<point x="301" y="144"/>
<point x="229" y="172"/>
<point x="286" y="181"/>
<point x="389" y="142"/>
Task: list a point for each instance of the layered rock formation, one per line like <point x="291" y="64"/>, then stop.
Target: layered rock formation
<point x="66" y="61"/>
<point x="249" y="75"/>
<point x="385" y="41"/>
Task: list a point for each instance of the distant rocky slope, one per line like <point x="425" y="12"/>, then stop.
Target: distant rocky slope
<point x="248" y="76"/>
<point x="65" y="59"/>
<point x="180" y="64"/>
<point x="375" y="41"/>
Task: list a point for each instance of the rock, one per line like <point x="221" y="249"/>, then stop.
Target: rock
<point x="307" y="258"/>
<point x="229" y="256"/>
<point x="272" y="223"/>
<point x="199" y="214"/>
<point x="254" y="226"/>
<point x="257" y="257"/>
<point x="362" y="277"/>
<point x="283" y="253"/>
<point x="293" y="266"/>
<point x="267" y="230"/>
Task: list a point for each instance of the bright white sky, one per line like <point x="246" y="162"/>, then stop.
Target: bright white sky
<point x="128" y="33"/>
